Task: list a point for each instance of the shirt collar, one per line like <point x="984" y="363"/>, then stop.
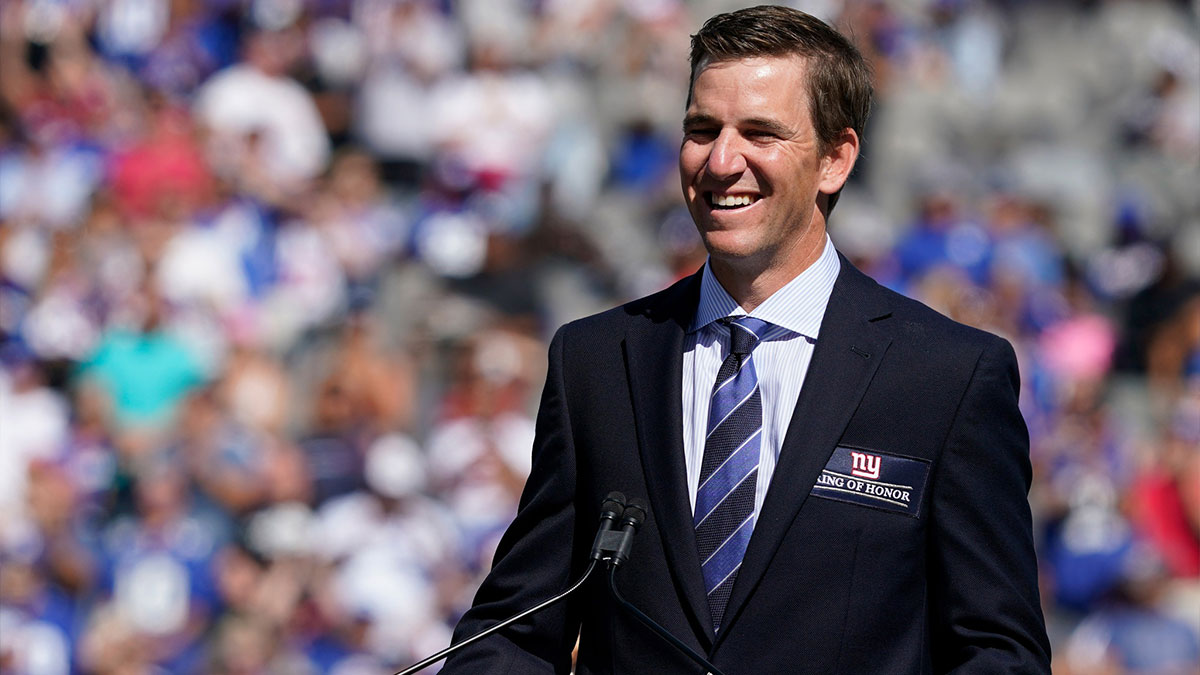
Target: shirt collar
<point x="798" y="307"/>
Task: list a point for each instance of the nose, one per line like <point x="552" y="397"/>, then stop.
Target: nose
<point x="725" y="159"/>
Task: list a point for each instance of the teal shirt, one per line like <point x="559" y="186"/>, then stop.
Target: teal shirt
<point x="145" y="375"/>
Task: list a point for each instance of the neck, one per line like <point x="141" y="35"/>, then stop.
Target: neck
<point x="750" y="282"/>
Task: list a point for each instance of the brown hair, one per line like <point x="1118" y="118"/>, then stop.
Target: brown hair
<point x="839" y="80"/>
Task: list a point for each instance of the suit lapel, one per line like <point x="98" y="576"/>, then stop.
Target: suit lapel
<point x="848" y="352"/>
<point x="654" y="358"/>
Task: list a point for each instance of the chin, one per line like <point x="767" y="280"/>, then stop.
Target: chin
<point x="726" y="245"/>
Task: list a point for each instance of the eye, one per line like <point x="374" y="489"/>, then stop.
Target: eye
<point x="700" y="132"/>
<point x="761" y="134"/>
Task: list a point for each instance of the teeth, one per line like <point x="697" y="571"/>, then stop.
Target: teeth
<point x="732" y="200"/>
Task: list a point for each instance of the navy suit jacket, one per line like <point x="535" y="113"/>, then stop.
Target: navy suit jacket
<point x="827" y="584"/>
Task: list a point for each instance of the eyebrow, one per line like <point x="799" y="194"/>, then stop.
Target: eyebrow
<point x="697" y="119"/>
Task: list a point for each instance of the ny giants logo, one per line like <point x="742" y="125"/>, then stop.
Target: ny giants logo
<point x="864" y="465"/>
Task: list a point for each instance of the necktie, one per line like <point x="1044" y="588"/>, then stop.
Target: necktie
<point x="724" y="515"/>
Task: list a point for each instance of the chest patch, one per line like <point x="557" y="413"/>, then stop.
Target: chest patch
<point x="877" y="479"/>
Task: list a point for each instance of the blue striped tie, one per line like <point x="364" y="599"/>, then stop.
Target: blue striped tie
<point x="724" y="515"/>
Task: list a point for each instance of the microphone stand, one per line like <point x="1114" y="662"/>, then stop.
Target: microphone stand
<point x="657" y="629"/>
<point x="612" y="546"/>
<point x="482" y="634"/>
<point x="606" y="544"/>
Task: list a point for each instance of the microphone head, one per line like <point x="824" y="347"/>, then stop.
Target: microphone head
<point x="635" y="513"/>
<point x="612" y="506"/>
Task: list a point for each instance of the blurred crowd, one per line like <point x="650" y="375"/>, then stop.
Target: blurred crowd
<point x="277" y="276"/>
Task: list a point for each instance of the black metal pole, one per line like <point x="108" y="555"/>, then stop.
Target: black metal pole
<point x="513" y="619"/>
<point x="663" y="633"/>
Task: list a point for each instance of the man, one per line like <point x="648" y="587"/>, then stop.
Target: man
<point x="836" y="475"/>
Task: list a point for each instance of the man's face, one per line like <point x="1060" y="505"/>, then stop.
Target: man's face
<point x="750" y="165"/>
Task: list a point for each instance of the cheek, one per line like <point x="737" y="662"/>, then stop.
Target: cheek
<point x="691" y="161"/>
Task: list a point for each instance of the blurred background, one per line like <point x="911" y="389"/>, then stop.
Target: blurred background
<point x="277" y="279"/>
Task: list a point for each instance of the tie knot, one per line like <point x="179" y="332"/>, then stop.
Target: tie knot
<point x="744" y="334"/>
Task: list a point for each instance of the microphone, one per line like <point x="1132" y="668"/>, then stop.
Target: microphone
<point x="611" y="510"/>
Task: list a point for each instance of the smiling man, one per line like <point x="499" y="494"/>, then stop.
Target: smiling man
<point x="755" y="173"/>
<point x="837" y="474"/>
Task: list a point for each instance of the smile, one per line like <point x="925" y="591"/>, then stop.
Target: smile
<point x="727" y="202"/>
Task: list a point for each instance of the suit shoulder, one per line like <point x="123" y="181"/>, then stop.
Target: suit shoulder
<point x="918" y="321"/>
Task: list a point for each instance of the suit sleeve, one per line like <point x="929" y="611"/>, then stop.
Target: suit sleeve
<point x="534" y="559"/>
<point x="985" y="612"/>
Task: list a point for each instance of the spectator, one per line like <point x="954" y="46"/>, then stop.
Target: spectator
<point x="257" y="114"/>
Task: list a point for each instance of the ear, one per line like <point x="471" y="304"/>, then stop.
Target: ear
<point x="838" y="162"/>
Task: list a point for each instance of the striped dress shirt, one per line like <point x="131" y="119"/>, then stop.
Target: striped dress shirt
<point x="781" y="360"/>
